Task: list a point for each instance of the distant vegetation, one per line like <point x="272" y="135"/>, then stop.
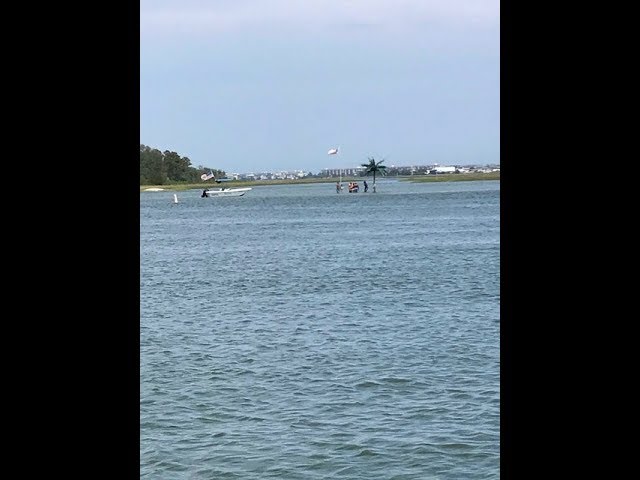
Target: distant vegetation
<point x="173" y="172"/>
<point x="169" y="168"/>
<point x="248" y="183"/>
<point x="453" y="177"/>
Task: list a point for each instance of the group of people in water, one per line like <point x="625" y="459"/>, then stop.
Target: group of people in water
<point x="353" y="187"/>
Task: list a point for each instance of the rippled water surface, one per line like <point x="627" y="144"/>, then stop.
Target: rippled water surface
<point x="296" y="333"/>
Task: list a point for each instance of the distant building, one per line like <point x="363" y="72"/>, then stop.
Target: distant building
<point x="441" y="169"/>
<point x="350" y="171"/>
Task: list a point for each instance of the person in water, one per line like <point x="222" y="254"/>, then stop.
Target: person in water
<point x="204" y="193"/>
<point x="338" y="187"/>
<point x="366" y="187"/>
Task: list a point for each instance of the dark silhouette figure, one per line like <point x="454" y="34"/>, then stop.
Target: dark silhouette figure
<point x="366" y="187"/>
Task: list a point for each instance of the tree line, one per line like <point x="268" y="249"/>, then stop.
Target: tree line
<point x="165" y="168"/>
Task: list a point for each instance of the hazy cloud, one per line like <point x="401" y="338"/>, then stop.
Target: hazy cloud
<point x="218" y="16"/>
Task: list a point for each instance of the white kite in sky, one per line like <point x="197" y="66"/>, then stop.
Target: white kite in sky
<point x="333" y="151"/>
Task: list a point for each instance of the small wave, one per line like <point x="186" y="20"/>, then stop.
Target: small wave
<point x="367" y="453"/>
<point x="396" y="380"/>
<point x="367" y="384"/>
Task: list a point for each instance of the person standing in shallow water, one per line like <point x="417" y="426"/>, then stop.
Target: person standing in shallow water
<point x="338" y="187"/>
<point x="366" y="187"/>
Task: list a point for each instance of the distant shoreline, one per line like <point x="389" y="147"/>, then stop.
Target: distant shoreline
<point x="453" y="177"/>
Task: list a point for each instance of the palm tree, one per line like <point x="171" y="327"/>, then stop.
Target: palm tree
<point x="374" y="167"/>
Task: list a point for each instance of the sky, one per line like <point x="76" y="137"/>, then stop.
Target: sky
<point x="270" y="85"/>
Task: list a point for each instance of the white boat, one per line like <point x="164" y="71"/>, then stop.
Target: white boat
<point x="221" y="192"/>
<point x="224" y="192"/>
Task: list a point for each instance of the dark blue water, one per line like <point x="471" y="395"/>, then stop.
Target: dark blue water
<point x="296" y="333"/>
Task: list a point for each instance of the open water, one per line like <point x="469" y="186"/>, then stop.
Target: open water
<point x="296" y="333"/>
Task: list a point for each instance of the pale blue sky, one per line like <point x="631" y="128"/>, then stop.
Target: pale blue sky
<point x="254" y="85"/>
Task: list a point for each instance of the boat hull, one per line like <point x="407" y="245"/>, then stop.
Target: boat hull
<point x="227" y="192"/>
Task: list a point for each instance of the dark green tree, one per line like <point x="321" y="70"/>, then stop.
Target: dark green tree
<point x="158" y="168"/>
<point x="177" y="167"/>
<point x="374" y="167"/>
<point x="151" y="166"/>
